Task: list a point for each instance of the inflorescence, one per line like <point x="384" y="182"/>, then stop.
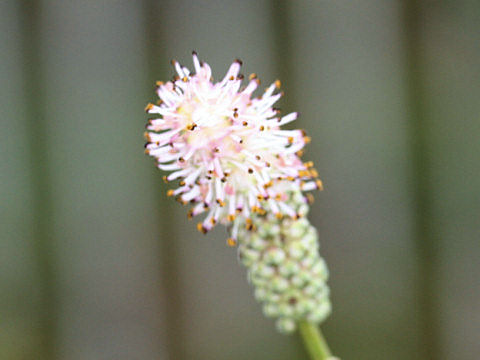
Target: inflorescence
<point x="226" y="148"/>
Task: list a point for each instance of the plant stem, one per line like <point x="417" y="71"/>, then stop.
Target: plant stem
<point x="314" y="341"/>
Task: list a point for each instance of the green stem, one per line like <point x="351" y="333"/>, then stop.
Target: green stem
<point x="314" y="341"/>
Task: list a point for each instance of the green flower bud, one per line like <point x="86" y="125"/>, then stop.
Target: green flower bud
<point x="319" y="313"/>
<point x="271" y="310"/>
<point x="296" y="251"/>
<point x="257" y="243"/>
<point x="249" y="256"/>
<point x="285" y="325"/>
<point x="274" y="256"/>
<point x="279" y="284"/>
<point x="288" y="267"/>
<point x="261" y="294"/>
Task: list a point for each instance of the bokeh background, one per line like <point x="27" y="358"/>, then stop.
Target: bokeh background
<point x="96" y="262"/>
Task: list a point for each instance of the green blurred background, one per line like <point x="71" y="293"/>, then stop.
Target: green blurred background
<point x="96" y="263"/>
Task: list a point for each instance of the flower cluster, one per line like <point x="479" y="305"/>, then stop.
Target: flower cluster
<point x="284" y="266"/>
<point x="227" y="148"/>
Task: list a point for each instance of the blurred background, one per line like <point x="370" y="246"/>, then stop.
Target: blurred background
<point x="96" y="263"/>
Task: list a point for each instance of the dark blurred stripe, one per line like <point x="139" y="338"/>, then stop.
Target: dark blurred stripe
<point x="427" y="243"/>
<point x="40" y="174"/>
<point x="283" y="47"/>
<point x="173" y="331"/>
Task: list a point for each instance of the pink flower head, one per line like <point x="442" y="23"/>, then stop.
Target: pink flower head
<point x="227" y="149"/>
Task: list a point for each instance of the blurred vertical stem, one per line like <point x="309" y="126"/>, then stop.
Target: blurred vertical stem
<point x="314" y="341"/>
<point x="30" y="12"/>
<point x="418" y="136"/>
<point x="169" y="253"/>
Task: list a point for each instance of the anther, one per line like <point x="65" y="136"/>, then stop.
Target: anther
<point x="231" y="242"/>
<point x="201" y="228"/>
<point x="180" y="200"/>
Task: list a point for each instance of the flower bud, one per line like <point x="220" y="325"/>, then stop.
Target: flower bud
<point x="285" y="325"/>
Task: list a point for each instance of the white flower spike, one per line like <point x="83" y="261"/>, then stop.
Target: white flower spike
<point x="227" y="149"/>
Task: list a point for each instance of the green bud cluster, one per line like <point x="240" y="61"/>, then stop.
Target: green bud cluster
<point x="284" y="265"/>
